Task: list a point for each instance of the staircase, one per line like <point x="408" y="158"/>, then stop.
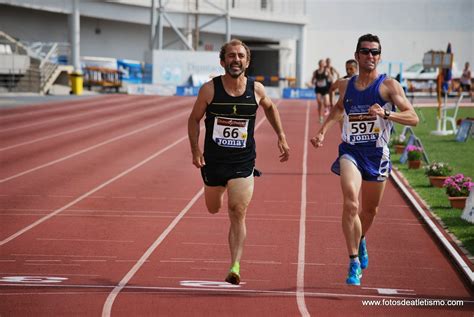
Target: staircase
<point x="41" y="73"/>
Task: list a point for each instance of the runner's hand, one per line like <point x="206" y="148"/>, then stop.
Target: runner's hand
<point x="198" y="159"/>
<point x="377" y="110"/>
<point x="284" y="150"/>
<point x="317" y="141"/>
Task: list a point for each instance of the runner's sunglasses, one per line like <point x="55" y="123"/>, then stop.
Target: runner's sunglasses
<point x="366" y="51"/>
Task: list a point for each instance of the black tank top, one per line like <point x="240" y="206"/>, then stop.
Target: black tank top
<point x="321" y="79"/>
<point x="230" y="125"/>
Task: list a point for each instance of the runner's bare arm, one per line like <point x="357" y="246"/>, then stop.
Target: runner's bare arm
<point x="273" y="116"/>
<point x="333" y="88"/>
<point x="392" y="91"/>
<point x="204" y="98"/>
<point x="313" y="79"/>
<point x="334" y="116"/>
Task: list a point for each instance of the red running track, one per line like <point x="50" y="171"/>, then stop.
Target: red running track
<point x="102" y="214"/>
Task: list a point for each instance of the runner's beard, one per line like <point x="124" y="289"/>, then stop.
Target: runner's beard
<point x="234" y="73"/>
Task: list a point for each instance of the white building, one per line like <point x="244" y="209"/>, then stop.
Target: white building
<point x="287" y="37"/>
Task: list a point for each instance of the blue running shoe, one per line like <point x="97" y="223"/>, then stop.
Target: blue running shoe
<point x="355" y="273"/>
<point x="363" y="254"/>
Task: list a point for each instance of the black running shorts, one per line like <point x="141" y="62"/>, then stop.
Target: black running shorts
<point x="216" y="174"/>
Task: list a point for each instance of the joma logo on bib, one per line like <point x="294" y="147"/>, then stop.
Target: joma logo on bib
<point x="363" y="138"/>
<point x="230" y="143"/>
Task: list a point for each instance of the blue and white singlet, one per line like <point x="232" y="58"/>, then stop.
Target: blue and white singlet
<point x="365" y="137"/>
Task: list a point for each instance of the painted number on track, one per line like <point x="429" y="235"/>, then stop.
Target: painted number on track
<point x="32" y="279"/>
<point x="208" y="284"/>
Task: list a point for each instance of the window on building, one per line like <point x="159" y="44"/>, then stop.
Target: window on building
<point x="266" y="4"/>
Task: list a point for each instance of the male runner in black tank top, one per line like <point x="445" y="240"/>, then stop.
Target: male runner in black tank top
<point x="230" y="103"/>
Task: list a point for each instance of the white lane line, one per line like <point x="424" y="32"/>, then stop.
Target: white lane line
<point x="262" y="262"/>
<point x="300" y="294"/>
<point x="42" y="260"/>
<point x="111" y="298"/>
<point x="84" y="240"/>
<point x="47" y="274"/>
<point x="65" y="255"/>
<point x="101" y="123"/>
<point x="193" y="259"/>
<point x="68" y="116"/>
<point x="84" y="104"/>
<point x="52" y="264"/>
<point x="97" y="216"/>
<point x="92" y="191"/>
<point x="93" y="147"/>
<point x="246" y="292"/>
<point x="224" y="244"/>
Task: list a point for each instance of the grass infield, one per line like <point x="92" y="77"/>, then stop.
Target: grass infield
<point x="459" y="155"/>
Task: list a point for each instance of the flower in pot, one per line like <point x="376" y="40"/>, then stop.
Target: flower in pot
<point x="399" y="143"/>
<point x="458" y="187"/>
<point x="414" y="156"/>
<point x="437" y="173"/>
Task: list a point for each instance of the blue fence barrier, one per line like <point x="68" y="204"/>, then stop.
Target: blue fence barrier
<point x="298" y="93"/>
<point x="187" y="90"/>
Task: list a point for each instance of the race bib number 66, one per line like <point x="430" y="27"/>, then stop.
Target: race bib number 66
<point x="229" y="132"/>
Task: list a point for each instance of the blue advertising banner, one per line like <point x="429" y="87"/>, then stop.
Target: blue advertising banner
<point x="132" y="71"/>
<point x="187" y="90"/>
<point x="299" y="93"/>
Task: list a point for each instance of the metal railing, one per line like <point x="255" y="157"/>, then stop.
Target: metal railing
<point x="44" y="61"/>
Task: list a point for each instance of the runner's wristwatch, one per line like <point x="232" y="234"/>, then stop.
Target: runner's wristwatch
<point x="386" y="114"/>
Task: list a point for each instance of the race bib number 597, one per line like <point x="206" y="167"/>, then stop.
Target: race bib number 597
<point x="363" y="128"/>
<point x="229" y="132"/>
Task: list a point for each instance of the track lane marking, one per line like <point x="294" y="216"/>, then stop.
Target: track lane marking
<point x="107" y="308"/>
<point x="92" y="191"/>
<point x="68" y="116"/>
<point x="47" y="107"/>
<point x="84" y="240"/>
<point x="300" y="293"/>
<point x="100" y="123"/>
<point x="90" y="148"/>
<point x="155" y="289"/>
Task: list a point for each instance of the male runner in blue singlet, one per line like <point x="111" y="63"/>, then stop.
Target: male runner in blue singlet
<point x="351" y="70"/>
<point x="367" y="106"/>
<point x="230" y="103"/>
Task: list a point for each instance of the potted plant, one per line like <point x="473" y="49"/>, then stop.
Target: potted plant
<point x="399" y="143"/>
<point x="458" y="187"/>
<point x="414" y="156"/>
<point x="437" y="172"/>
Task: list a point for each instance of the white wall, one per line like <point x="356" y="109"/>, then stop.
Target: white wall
<point x="406" y="28"/>
<point x="116" y="39"/>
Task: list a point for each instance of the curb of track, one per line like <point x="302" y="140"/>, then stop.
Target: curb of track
<point x="458" y="257"/>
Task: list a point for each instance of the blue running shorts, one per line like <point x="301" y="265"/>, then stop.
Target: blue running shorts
<point x="372" y="162"/>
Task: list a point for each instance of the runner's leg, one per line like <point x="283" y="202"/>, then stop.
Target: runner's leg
<point x="320" y="104"/>
<point x="240" y="191"/>
<point x="351" y="180"/>
<point x="326" y="107"/>
<point x="214" y="196"/>
<point x="372" y="193"/>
